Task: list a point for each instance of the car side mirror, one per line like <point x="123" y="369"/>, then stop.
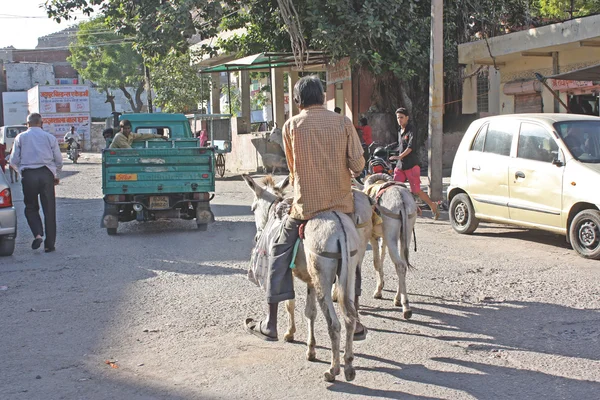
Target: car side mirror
<point x="557" y="162"/>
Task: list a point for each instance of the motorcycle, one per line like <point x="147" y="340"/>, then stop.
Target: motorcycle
<point x="73" y="152"/>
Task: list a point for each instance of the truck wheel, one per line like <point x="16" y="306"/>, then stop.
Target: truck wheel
<point x="202" y="227"/>
<point x="584" y="233"/>
<point x="111" y="231"/>
<point x="7" y="246"/>
<point x="462" y="214"/>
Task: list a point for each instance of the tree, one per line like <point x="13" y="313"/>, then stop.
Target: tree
<point x="179" y="86"/>
<point x="108" y="60"/>
<point x="568" y="8"/>
<point x="157" y="27"/>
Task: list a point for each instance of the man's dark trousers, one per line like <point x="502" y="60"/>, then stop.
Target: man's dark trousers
<point x="40" y="182"/>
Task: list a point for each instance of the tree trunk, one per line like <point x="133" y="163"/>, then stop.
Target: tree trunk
<point x="110" y="99"/>
<point x="138" y="95"/>
<point x="148" y="88"/>
<point x="135" y="107"/>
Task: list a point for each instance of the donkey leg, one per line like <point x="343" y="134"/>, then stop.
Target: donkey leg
<point x="401" y="298"/>
<point x="310" y="312"/>
<point x="378" y="265"/>
<point x="334" y="327"/>
<point x="290" y="306"/>
<point x="349" y="371"/>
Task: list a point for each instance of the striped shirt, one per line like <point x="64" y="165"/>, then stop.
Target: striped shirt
<point x="321" y="148"/>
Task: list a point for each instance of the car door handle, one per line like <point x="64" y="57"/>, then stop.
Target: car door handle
<point x="519" y="174"/>
<point x="475" y="168"/>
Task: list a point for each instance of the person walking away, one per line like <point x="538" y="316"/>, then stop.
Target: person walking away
<point x="408" y="168"/>
<point x="125" y="137"/>
<point x="37" y="157"/>
<point x="314" y="192"/>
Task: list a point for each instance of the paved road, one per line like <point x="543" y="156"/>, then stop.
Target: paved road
<point x="505" y="313"/>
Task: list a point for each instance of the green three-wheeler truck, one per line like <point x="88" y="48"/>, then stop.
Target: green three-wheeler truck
<point x="173" y="177"/>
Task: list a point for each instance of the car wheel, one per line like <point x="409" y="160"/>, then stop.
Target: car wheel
<point x="111" y="231"/>
<point x="7" y="246"/>
<point x="585" y="234"/>
<point x="462" y="214"/>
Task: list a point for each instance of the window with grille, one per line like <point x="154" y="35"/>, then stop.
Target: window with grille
<point x="482" y="92"/>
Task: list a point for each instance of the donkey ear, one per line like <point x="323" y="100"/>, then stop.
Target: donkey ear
<point x="357" y="184"/>
<point x="283" y="184"/>
<point x="252" y="184"/>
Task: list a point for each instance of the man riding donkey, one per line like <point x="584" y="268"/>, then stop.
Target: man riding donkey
<point x="322" y="150"/>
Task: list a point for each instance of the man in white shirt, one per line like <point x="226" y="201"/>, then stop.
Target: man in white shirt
<point x="72" y="138"/>
<point x="37" y="157"/>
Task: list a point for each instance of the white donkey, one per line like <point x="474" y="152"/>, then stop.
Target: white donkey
<point x="328" y="250"/>
<point x="398" y="210"/>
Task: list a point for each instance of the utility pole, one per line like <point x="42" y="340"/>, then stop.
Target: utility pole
<point x="436" y="97"/>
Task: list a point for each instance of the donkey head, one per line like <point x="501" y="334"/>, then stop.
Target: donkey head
<point x="264" y="198"/>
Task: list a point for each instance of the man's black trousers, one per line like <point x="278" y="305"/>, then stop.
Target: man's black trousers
<point x="36" y="183"/>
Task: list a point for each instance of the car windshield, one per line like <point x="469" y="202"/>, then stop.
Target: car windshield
<point x="14" y="131"/>
<point x="582" y="138"/>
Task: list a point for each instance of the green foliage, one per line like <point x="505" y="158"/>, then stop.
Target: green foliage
<point x="108" y="60"/>
<point x="565" y="9"/>
<point x="158" y="27"/>
<point x="178" y="85"/>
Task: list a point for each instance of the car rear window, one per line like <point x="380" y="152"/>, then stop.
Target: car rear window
<point x="13" y="132"/>
<point x="163" y="131"/>
<point x="479" y="139"/>
<point x="498" y="138"/>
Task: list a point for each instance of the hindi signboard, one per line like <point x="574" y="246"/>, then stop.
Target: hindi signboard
<point x="59" y="99"/>
<point x="59" y="124"/>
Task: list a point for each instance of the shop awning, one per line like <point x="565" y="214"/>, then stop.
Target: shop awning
<point x="268" y="60"/>
<point x="591" y="73"/>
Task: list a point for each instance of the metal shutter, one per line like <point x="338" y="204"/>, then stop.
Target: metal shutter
<point x="528" y="103"/>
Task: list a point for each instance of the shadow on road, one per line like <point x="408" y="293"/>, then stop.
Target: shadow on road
<point x="506" y="326"/>
<point x="532" y="235"/>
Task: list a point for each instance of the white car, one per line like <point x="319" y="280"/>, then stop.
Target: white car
<point x="533" y="170"/>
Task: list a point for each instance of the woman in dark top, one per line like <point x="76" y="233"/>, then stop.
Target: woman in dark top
<point x="408" y="168"/>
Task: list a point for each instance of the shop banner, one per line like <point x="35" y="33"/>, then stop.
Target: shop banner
<point x="60" y="99"/>
<point x="59" y="124"/>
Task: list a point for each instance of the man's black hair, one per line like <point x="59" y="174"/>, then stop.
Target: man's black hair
<point x="337" y="110"/>
<point x="308" y="91"/>
<point x="402" y="110"/>
<point x="363" y="121"/>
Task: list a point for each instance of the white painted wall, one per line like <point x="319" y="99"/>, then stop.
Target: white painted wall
<point x="14" y="106"/>
<point x="22" y="76"/>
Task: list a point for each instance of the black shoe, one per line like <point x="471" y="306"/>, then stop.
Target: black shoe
<point x="49" y="249"/>
<point x="36" y="243"/>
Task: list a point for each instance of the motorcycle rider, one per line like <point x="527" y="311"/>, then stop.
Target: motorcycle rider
<point x="72" y="138"/>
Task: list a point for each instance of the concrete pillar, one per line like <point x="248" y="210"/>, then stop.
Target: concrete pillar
<point x="330" y="97"/>
<point x="292" y="79"/>
<point x="245" y="100"/>
<point x="555" y="70"/>
<point x="494" y="93"/>
<point x="215" y="93"/>
<point x="436" y="100"/>
<point x="347" y="107"/>
<point x="277" y="93"/>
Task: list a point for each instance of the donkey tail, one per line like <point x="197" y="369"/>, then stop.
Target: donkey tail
<point x="405" y="232"/>
<point x="347" y="272"/>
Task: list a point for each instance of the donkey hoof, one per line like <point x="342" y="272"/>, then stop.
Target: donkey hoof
<point x="350" y="373"/>
<point x="311" y="355"/>
<point x="288" y="337"/>
<point x="329" y="377"/>
<point x="377" y="295"/>
<point x="407" y="314"/>
<point x="397" y="303"/>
